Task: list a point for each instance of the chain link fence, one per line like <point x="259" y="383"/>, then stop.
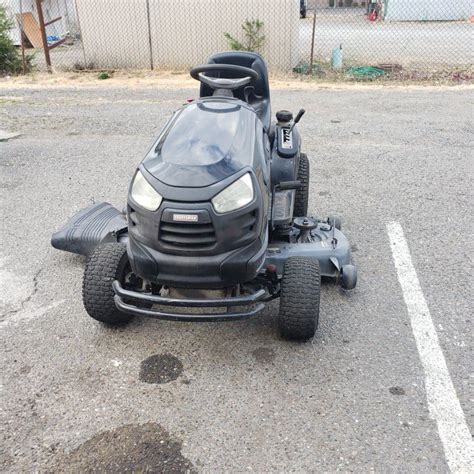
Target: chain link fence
<point x="318" y="36"/>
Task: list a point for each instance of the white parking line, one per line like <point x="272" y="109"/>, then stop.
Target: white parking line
<point x="443" y="403"/>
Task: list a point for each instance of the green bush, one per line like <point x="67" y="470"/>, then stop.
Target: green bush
<point x="253" y="37"/>
<point x="103" y="75"/>
<point x="10" y="60"/>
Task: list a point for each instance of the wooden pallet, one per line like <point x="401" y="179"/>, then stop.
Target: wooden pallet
<point x="30" y="28"/>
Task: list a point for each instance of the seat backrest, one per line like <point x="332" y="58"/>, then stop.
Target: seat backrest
<point x="260" y="100"/>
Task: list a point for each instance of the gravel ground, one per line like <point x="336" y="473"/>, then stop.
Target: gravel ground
<point x="232" y="397"/>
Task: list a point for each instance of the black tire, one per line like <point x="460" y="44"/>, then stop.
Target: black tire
<point x="299" y="298"/>
<point x="349" y="277"/>
<point x="107" y="263"/>
<point x="301" y="198"/>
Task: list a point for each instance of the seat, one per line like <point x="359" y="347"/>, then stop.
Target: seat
<point x="259" y="97"/>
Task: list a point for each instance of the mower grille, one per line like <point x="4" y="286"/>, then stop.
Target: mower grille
<point x="179" y="235"/>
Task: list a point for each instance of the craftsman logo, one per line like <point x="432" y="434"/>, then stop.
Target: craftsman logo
<point x="185" y="217"/>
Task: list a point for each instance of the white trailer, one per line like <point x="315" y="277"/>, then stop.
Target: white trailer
<point x="428" y="10"/>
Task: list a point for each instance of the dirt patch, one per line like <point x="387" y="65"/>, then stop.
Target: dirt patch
<point x="160" y="368"/>
<point x="129" y="448"/>
<point x="182" y="80"/>
<point x="396" y="391"/>
<point x="264" y="355"/>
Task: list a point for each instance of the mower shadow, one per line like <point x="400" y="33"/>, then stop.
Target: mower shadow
<point x="228" y="352"/>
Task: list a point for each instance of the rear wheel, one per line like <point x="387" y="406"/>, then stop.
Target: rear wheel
<point x="107" y="263"/>
<point x="301" y="198"/>
<point x="299" y="298"/>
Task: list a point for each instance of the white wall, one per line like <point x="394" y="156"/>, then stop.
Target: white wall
<point x="184" y="32"/>
<point x="114" y="33"/>
<point x="429" y="10"/>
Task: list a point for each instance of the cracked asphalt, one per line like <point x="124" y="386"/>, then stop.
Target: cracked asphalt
<point x="233" y="397"/>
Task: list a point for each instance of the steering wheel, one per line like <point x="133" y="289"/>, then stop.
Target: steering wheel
<point x="244" y="75"/>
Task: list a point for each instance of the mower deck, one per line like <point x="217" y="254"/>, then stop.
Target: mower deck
<point x="328" y="244"/>
<point x="102" y="223"/>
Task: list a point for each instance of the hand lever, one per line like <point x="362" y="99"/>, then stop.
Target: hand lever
<point x="297" y="119"/>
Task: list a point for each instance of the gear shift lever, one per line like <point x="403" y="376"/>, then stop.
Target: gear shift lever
<point x="297" y="119"/>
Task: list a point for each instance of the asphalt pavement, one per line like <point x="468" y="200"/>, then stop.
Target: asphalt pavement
<point x="233" y="396"/>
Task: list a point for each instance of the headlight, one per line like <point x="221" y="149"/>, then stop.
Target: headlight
<point x="144" y="194"/>
<point x="235" y="196"/>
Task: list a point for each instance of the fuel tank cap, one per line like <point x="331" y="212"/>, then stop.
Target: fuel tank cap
<point x="284" y="116"/>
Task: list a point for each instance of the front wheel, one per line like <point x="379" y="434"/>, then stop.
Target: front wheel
<point x="349" y="277"/>
<point x="299" y="298"/>
<point x="107" y="263"/>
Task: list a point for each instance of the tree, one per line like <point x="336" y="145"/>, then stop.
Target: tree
<point x="253" y="37"/>
<point x="10" y="61"/>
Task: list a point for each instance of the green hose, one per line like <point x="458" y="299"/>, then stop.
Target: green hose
<point x="365" y="72"/>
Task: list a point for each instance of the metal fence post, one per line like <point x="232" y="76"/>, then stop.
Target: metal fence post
<point x="149" y="33"/>
<point x="44" y="38"/>
<point x="22" y="39"/>
<point x="81" y="36"/>
<point x="312" y="42"/>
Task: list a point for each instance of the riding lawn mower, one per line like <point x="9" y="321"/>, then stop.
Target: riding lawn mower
<point x="216" y="222"/>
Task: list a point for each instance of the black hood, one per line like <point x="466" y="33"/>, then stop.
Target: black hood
<point x="205" y="142"/>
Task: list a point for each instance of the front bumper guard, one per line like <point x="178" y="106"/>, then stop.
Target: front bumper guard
<point x="133" y="302"/>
